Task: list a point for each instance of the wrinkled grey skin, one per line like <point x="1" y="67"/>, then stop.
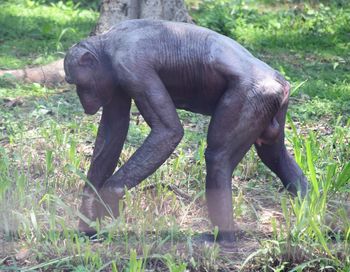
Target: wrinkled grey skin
<point x="163" y="66"/>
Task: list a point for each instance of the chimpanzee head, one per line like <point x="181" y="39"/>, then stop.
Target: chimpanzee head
<point x="91" y="75"/>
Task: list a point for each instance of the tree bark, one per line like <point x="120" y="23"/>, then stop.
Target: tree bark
<point x="111" y="12"/>
<point x="134" y="9"/>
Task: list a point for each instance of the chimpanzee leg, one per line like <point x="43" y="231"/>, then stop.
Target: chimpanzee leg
<point x="278" y="159"/>
<point x="234" y="127"/>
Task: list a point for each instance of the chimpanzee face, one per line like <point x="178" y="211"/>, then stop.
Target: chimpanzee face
<point x="93" y="82"/>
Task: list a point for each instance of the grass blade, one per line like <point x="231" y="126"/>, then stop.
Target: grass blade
<point x="311" y="167"/>
<point x="343" y="177"/>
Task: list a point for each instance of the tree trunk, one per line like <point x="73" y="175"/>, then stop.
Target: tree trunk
<point x="111" y="12"/>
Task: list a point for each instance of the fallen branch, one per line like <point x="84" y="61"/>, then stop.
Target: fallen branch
<point x="177" y="191"/>
<point x="49" y="75"/>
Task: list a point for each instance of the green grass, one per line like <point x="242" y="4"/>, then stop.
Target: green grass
<point x="46" y="143"/>
<point x="35" y="34"/>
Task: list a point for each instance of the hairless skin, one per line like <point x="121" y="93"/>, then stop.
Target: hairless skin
<point x="163" y="66"/>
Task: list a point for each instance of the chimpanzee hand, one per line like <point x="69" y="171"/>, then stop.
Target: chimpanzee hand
<point x="89" y="209"/>
<point x="110" y="195"/>
<point x="99" y="206"/>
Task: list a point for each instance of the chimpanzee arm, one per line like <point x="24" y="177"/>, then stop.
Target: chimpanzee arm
<point x="108" y="145"/>
<point x="158" y="110"/>
<point x="110" y="139"/>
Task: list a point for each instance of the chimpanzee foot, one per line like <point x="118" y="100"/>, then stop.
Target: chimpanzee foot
<point x="110" y="195"/>
<point x="300" y="187"/>
<point x="227" y="242"/>
<point x="85" y="229"/>
<point x="226" y="246"/>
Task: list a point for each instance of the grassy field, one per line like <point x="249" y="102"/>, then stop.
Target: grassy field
<point x="46" y="143"/>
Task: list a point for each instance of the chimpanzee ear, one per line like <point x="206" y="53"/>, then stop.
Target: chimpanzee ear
<point x="87" y="59"/>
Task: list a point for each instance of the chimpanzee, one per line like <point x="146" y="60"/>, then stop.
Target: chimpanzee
<point x="162" y="66"/>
